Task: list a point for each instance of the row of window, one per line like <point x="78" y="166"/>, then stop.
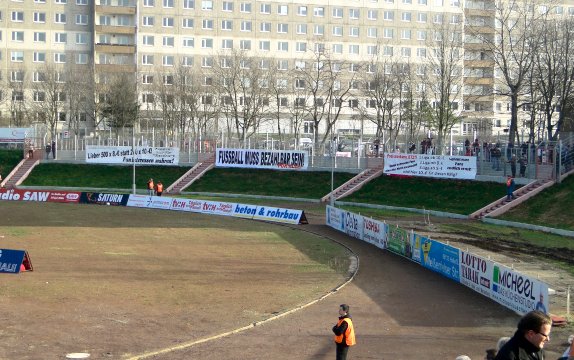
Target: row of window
<point x="59" y="18"/>
<point x="60" y="2"/>
<point x="40" y="37"/>
<point x="40" y="57"/>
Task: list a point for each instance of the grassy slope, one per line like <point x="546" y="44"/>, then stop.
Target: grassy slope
<point x="8" y="160"/>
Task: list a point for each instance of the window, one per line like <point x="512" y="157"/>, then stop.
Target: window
<point x="61" y="1"/>
<point x="337" y="31"/>
<point x="39" y="56"/>
<point x="421" y="35"/>
<point x="319" y="48"/>
<point x="405" y="52"/>
<point x="299" y="84"/>
<point x="387" y="50"/>
<point x="282" y="28"/>
<point x="147" y="98"/>
<point x="301" y="47"/>
<point x="438" y="18"/>
<point x="187" y="60"/>
<point x="39" y="96"/>
<point x="147" y="60"/>
<point x="17" y="76"/>
<point x="187" y="23"/>
<point x="189" y="4"/>
<point x="82" y="2"/>
<point x="167" y="3"/>
<point x="319" y="29"/>
<point x="302" y="10"/>
<point x="283" y="65"/>
<point x="353" y="67"/>
<point x="422" y="17"/>
<point x="245" y="7"/>
<point x="168" y="41"/>
<point x="388" y="33"/>
<point x="283" y="46"/>
<point x="81" y="59"/>
<point x="167" y="60"/>
<point x="40" y="37"/>
<point x="39" y="17"/>
<point x="149" y="3"/>
<point x="422" y="2"/>
<point x="372" y="49"/>
<point x="81" y="19"/>
<point x="61" y="38"/>
<point x="300" y="102"/>
<point x="337" y="48"/>
<point x="148" y="21"/>
<point x="354" y="31"/>
<point x="372" y="14"/>
<point x="265" y="8"/>
<point x="168" y="22"/>
<point x="60" y="18"/>
<point x="17" y="95"/>
<point x="226" y="25"/>
<point x="354" y="49"/>
<point x="353" y="103"/>
<point x="389" y="15"/>
<point x="168" y="79"/>
<point x="227" y="44"/>
<point x="282" y="9"/>
<point x="354" y="14"/>
<point x="147" y="79"/>
<point x="245" y="44"/>
<point x="207" y="24"/>
<point x="282" y="102"/>
<point x="148" y="40"/>
<point x="227" y="6"/>
<point x="38" y="77"/>
<point x="265" y="27"/>
<point x="405" y="34"/>
<point x="17" y="16"/>
<point x="246" y="26"/>
<point x="207" y="99"/>
<point x="207" y="43"/>
<point x="421" y="52"/>
<point x="406" y="16"/>
<point x="337" y="13"/>
<point x="18" y="36"/>
<point x="372" y="32"/>
<point x="188" y="42"/>
<point x="301" y="29"/>
<point x="60" y="58"/>
<point x="206" y="4"/>
<point x="265" y="45"/>
<point x="264" y="64"/>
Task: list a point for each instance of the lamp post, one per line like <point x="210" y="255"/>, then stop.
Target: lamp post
<point x="133" y="160"/>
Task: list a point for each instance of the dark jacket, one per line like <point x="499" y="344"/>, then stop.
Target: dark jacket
<point x="518" y="348"/>
<point x="338" y="330"/>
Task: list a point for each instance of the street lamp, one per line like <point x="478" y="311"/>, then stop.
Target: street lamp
<point x="133" y="161"/>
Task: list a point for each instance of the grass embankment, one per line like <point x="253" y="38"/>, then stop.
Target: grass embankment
<point x="8" y="160"/>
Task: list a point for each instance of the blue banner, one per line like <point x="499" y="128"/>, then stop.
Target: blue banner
<point x="442" y="258"/>
<point x="10" y="260"/>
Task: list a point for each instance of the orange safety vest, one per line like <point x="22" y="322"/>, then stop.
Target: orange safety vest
<point x="508" y="182"/>
<point x="150" y="185"/>
<point x="349" y="333"/>
<point x="159" y="188"/>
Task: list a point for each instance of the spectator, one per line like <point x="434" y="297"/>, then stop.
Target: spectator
<point x="150" y="187"/>
<point x="510" y="185"/>
<point x="159" y="188"/>
<point x="491" y="353"/>
<point x="523" y="163"/>
<point x="533" y="331"/>
<point x="512" y="162"/>
<point x="376" y="144"/>
<point x="48" y="151"/>
<point x="569" y="352"/>
<point x="54" y="149"/>
<point x="476" y="147"/>
<point x="467" y="147"/>
<point x="495" y="155"/>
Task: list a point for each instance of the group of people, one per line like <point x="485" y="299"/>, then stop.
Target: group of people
<point x="154" y="189"/>
<point x="531" y="335"/>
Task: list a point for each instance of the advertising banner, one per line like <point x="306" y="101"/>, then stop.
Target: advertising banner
<point x="40" y="195"/>
<point x="335" y="218"/>
<point x="375" y="232"/>
<point x="15" y="135"/>
<point x="262" y="159"/>
<point x="398" y="241"/>
<point x="435" y="166"/>
<point x="416" y="243"/>
<point x="354" y="225"/>
<point x="441" y="258"/>
<point x="141" y="155"/>
<point x="476" y="272"/>
<point x="276" y="214"/>
<point x="517" y="291"/>
<point x="104" y="198"/>
<point x="10" y="260"/>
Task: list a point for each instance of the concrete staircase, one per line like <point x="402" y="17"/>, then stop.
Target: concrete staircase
<point x="192" y="175"/>
<point x="501" y="205"/>
<point x="21" y="171"/>
<point x="354" y="184"/>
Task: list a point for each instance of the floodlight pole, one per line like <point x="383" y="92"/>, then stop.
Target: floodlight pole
<point x="133" y="161"/>
<point x="332" y="197"/>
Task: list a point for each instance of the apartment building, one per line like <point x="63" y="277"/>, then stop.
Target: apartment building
<point x="143" y="38"/>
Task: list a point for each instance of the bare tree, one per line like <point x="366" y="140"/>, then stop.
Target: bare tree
<point x="79" y="94"/>
<point x="50" y="95"/>
<point x="443" y="80"/>
<point x="513" y="44"/>
<point x="121" y="103"/>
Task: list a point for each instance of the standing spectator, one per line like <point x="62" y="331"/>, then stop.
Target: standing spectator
<point x="495" y="155"/>
<point x="48" y="151"/>
<point x="344" y="332"/>
<point x="523" y="163"/>
<point x="377" y="143"/>
<point x="512" y="162"/>
<point x="533" y="331"/>
<point x="467" y="147"/>
<point x="159" y="188"/>
<point x="54" y="149"/>
<point x="476" y="147"/>
<point x="510" y="185"/>
<point x="150" y="187"/>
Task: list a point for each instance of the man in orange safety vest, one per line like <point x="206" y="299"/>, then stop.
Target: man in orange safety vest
<point x="344" y="332"/>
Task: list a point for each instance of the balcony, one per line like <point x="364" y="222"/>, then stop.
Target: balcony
<point x="115" y="49"/>
<point x="115" y="68"/>
<point x="110" y="29"/>
<point x="115" y="10"/>
<point x="478" y="80"/>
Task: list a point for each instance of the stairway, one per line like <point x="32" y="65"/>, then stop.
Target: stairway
<point x="354" y="184"/>
<point x="21" y="171"/>
<point x="192" y="175"/>
<point x="501" y="205"/>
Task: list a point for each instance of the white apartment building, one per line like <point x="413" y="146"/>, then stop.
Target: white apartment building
<point x="86" y="41"/>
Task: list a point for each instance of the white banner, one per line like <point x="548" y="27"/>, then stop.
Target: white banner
<point x="15" y="135"/>
<point x="435" y="166"/>
<point x="354" y="225"/>
<point x="143" y="155"/>
<point x="278" y="214"/>
<point x="335" y="218"/>
<point x="262" y="159"/>
<point x="375" y="232"/>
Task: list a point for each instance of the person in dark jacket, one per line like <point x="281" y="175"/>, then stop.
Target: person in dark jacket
<point x="533" y="331"/>
<point x="344" y="332"/>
